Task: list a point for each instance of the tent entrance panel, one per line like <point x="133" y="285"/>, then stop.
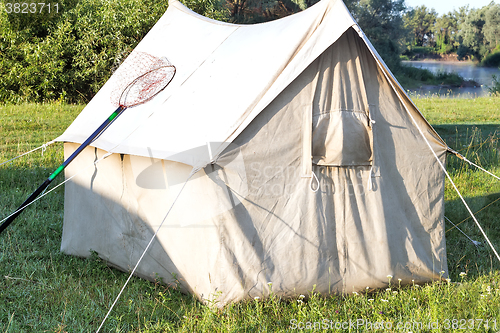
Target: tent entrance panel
<point x="342" y="135"/>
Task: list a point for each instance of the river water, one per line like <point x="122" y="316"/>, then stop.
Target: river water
<point x="466" y="69"/>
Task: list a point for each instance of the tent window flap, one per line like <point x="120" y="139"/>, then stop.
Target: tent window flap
<point x="341" y="138"/>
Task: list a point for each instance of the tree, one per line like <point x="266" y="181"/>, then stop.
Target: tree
<point x="491" y="28"/>
<point x="382" y="22"/>
<point x="446" y="33"/>
<point x="257" y="11"/>
<point x="420" y="21"/>
<point x="480" y="35"/>
<point x="471" y="35"/>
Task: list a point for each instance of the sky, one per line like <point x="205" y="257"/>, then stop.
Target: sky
<point x="445" y="6"/>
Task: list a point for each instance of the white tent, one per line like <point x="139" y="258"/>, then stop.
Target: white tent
<point x="312" y="166"/>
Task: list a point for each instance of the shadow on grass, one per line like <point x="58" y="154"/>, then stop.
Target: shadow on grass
<point x="481" y="145"/>
<point x="16" y="185"/>
<point x="463" y="255"/>
<point x="42" y="289"/>
<point x="457" y="135"/>
<point x="478" y="143"/>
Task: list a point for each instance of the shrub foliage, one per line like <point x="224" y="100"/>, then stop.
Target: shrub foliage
<point x="68" y="55"/>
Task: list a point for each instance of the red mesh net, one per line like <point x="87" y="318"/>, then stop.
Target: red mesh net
<point x="139" y="78"/>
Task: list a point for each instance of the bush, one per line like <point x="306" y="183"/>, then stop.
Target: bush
<point x="463" y="52"/>
<point x="418" y="74"/>
<point x="417" y="52"/>
<point x="410" y="77"/>
<point x="69" y="55"/>
<point x="446" y="49"/>
<point x="452" y="79"/>
<point x="495" y="88"/>
<point x="491" y="60"/>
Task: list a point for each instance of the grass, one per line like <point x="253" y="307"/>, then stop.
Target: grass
<point x="463" y="111"/>
<point x="43" y="290"/>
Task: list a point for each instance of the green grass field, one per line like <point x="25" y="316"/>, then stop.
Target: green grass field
<point x="43" y="290"/>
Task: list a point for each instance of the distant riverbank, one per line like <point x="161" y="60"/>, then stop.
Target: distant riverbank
<point x="436" y="57"/>
<point x="473" y="80"/>
<point x="491" y="60"/>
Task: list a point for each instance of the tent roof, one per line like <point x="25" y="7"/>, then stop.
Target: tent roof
<point x="226" y="74"/>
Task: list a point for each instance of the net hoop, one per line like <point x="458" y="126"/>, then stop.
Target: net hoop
<point x="139" y="78"/>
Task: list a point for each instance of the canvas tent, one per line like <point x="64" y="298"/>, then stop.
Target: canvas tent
<point x="299" y="160"/>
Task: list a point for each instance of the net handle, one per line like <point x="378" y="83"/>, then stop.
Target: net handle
<point x="91" y="138"/>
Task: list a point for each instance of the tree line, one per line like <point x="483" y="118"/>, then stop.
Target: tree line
<point x="67" y="54"/>
<point x="470" y="33"/>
